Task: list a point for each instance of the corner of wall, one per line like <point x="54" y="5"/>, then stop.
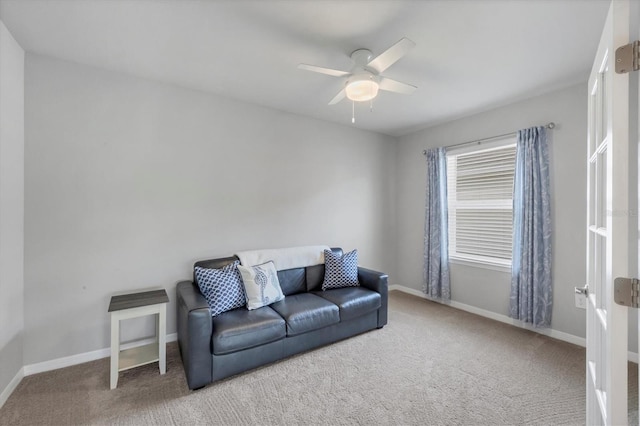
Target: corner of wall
<point x="11" y="213"/>
<point x="11" y="386"/>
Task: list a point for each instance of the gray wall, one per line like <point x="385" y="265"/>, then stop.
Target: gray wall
<point x="11" y="206"/>
<point x="489" y="289"/>
<point x="128" y="182"/>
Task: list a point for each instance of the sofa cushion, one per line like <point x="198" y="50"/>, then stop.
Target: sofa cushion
<point x="315" y="273"/>
<point x="222" y="288"/>
<point x="261" y="285"/>
<point x="306" y="312"/>
<point x="340" y="271"/>
<point x="292" y="281"/>
<point x="243" y="329"/>
<point x="352" y="301"/>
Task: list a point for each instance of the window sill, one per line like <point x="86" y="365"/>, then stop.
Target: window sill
<point x="481" y="264"/>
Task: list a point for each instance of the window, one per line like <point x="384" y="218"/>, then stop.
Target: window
<point x="480" y="194"/>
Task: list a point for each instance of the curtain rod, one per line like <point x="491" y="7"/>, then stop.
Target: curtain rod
<point x="479" y="141"/>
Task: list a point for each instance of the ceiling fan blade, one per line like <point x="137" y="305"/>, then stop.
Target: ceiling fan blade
<point x="321" y="70"/>
<point x="395" y="86"/>
<point x="391" y="55"/>
<point x="337" y="98"/>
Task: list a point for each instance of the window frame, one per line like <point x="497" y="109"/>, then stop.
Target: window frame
<point x="487" y="262"/>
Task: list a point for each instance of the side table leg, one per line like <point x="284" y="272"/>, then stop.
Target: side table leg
<point x="162" y="338"/>
<point x="115" y="349"/>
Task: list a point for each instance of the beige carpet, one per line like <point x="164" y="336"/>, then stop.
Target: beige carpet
<point x="430" y="365"/>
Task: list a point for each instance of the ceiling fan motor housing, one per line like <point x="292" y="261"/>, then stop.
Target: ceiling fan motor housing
<point x="361" y="57"/>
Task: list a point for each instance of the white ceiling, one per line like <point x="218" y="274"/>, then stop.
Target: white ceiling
<point x="471" y="55"/>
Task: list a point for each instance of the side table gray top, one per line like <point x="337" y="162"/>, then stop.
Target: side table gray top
<point x="135" y="300"/>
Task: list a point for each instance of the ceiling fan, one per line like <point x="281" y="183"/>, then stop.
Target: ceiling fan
<point x="364" y="80"/>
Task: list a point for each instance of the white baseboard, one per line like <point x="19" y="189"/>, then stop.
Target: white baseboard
<point x="560" y="335"/>
<point x="13" y="384"/>
<point x="68" y="361"/>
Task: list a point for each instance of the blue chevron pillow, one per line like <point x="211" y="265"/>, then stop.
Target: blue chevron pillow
<point x="222" y="288"/>
<point x="340" y="271"/>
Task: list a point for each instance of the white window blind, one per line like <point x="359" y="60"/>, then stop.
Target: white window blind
<point x="480" y="202"/>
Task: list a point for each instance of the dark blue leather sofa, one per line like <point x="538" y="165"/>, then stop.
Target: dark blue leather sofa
<point x="239" y="340"/>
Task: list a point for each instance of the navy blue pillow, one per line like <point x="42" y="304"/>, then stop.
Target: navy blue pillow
<point x="340" y="271"/>
<point x="222" y="288"/>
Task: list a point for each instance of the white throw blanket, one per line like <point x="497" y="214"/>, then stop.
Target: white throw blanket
<point x="285" y="258"/>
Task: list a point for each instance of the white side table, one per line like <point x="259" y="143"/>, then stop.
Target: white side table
<point x="132" y="306"/>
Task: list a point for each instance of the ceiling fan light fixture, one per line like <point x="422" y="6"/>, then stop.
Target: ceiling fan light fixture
<point x="362" y="89"/>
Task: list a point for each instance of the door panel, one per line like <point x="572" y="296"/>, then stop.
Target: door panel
<point x="607" y="225"/>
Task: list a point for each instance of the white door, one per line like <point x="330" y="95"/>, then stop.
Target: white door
<point x="607" y="221"/>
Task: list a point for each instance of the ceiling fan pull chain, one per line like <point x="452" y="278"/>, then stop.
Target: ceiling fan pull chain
<point x="371" y="105"/>
<point x="353" y="111"/>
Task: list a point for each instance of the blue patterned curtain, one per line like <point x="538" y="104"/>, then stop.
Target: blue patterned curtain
<point x="436" y="239"/>
<point x="531" y="291"/>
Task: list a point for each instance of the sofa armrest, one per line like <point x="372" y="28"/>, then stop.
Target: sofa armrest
<point x="194" y="334"/>
<point x="376" y="281"/>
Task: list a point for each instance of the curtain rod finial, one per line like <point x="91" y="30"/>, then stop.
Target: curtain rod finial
<point x="551" y="125"/>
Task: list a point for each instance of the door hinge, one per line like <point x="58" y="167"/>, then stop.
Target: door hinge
<point x="626" y="291"/>
<point x="628" y="57"/>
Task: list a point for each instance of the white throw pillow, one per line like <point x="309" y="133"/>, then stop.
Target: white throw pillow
<point x="261" y="285"/>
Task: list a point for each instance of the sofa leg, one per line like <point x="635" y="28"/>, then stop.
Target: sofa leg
<point x="378" y="328"/>
<point x="196" y="389"/>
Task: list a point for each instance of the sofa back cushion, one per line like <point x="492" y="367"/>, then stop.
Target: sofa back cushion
<point x="315" y="273"/>
<point x="292" y="281"/>
<point x="315" y="276"/>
